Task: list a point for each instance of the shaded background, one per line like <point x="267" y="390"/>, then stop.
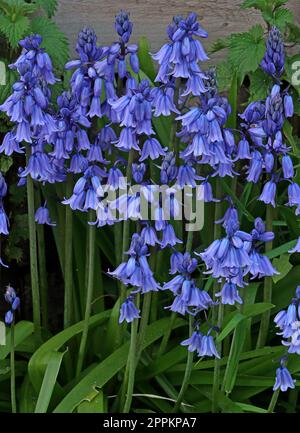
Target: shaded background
<point x="150" y="18"/>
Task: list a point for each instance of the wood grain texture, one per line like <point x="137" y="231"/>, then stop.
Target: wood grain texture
<point x="150" y="17"/>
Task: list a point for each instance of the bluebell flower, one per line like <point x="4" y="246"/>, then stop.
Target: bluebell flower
<point x="10" y="145"/>
<point x="243" y="151"/>
<point x="138" y="172"/>
<point x="86" y="82"/>
<point x="9" y="317"/>
<point x="208" y="347"/>
<point x="135" y="108"/>
<point x="115" y="179"/>
<point x="119" y="51"/>
<point x="151" y="149"/>
<point x="287" y="167"/>
<point x="42" y="216"/>
<point x="149" y="236"/>
<point x="288" y="106"/>
<point x="229" y="294"/>
<point x="296" y="248"/>
<point x="284" y="379"/>
<point x="180" y="57"/>
<point x="274" y="58"/>
<point x="229" y="257"/>
<point x="39" y="163"/>
<point x="163" y="100"/>
<point x="129" y="311"/>
<point x="169" y="237"/>
<point x="169" y="169"/>
<point x="294" y="196"/>
<point x="106" y="137"/>
<point x="268" y="193"/>
<point x="11" y="298"/>
<point x="187" y="175"/>
<point x="136" y="270"/>
<point x="256" y="167"/>
<point x="39" y="60"/>
<point x="194" y="342"/>
<point x="87" y="190"/>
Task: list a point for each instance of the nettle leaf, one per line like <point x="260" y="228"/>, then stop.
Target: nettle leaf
<point x="54" y="40"/>
<point x="220" y="44"/>
<point x="263" y="4"/>
<point x="294" y="33"/>
<point x="224" y="75"/>
<point x="282" y="265"/>
<point x="247" y="49"/>
<point x="279" y="18"/>
<point x="49" y="6"/>
<point x="10" y="78"/>
<point x="14" y="28"/>
<point x="260" y="83"/>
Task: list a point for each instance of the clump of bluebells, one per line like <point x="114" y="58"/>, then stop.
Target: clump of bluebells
<point x="63" y="140"/>
<point x="288" y="322"/>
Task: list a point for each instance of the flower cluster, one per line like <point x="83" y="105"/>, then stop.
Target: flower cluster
<point x="13" y="300"/>
<point x="288" y="322"/>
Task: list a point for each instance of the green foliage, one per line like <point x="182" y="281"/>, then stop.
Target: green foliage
<point x="54" y="40"/>
<point x="246" y="50"/>
<point x="19" y="18"/>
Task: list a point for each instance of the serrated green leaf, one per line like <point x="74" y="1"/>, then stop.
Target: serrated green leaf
<point x="246" y="50"/>
<point x="279" y="18"/>
<point x="294" y="33"/>
<point x="54" y="40"/>
<point x="224" y="75"/>
<point x="283" y="265"/>
<point x="262" y="4"/>
<point x="49" y="6"/>
<point x="14" y="29"/>
<point x="220" y="44"/>
<point x="260" y="84"/>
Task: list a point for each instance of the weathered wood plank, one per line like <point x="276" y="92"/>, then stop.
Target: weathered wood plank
<point x="150" y="17"/>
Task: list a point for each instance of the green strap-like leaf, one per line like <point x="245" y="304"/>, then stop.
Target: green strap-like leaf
<point x="51" y="373"/>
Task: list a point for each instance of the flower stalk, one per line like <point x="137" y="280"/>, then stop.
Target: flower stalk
<point x="33" y="255"/>
<point x="89" y="295"/>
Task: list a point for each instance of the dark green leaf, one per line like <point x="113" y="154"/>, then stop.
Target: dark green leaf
<point x="54" y="40"/>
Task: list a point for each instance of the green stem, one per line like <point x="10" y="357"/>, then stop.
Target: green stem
<point x="187" y="373"/>
<point x="40" y="229"/>
<point x="217" y="367"/>
<point x="144" y="322"/>
<point x="89" y="296"/>
<point x="126" y="226"/>
<point x="131" y="364"/>
<point x="217" y="316"/>
<point x="12" y="369"/>
<point x="265" y="319"/>
<point x="189" y="361"/>
<point x="33" y="255"/>
<point x="166" y="337"/>
<point x="68" y="250"/>
<point x="273" y="401"/>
